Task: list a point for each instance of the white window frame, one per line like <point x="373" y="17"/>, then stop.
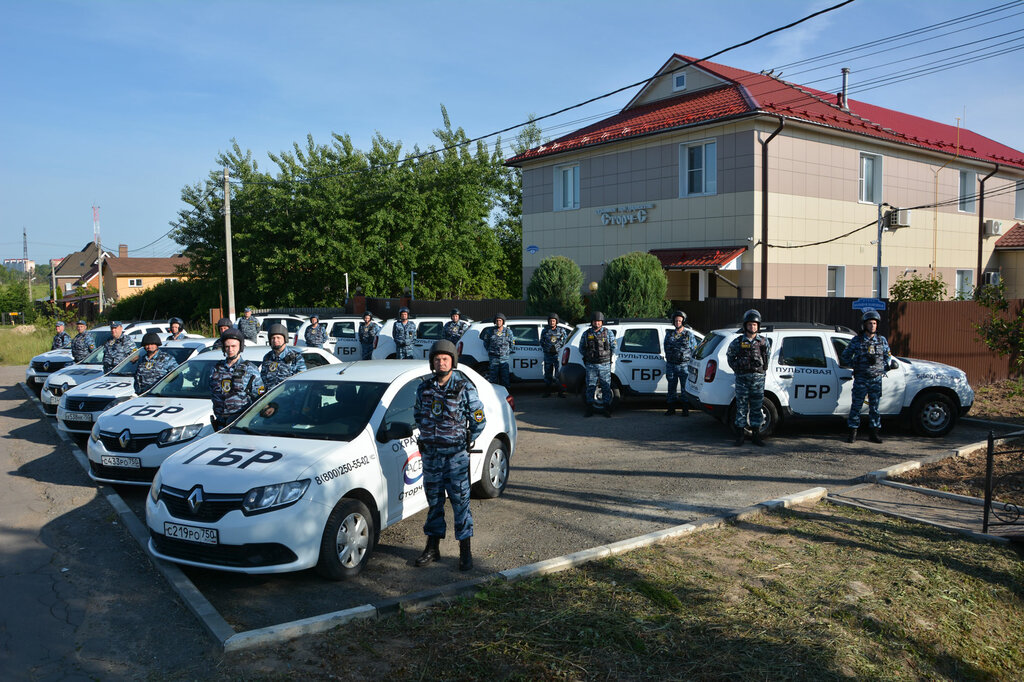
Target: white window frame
<point x="876" y="179"/>
<point x="1018" y="205"/>
<point x="564" y="203"/>
<point x="840" y="290"/>
<point x="135" y="282"/>
<point x="676" y="78"/>
<point x="964" y="283"/>
<point x="709" y="171"/>
<point x="967" y="191"/>
<point x="885" y="282"/>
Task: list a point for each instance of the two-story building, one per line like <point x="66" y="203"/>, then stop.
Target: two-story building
<point x="744" y="184"/>
<point x="124" y="276"/>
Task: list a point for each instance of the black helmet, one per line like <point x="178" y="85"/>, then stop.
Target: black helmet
<point x="403" y="309"/>
<point x="678" y="313"/>
<point x="314" y="316"/>
<point x="870" y="314"/>
<point x="233" y="333"/>
<point x="367" y="314"/>
<point x="752" y="316"/>
<point x="455" y="311"/>
<point x="181" y="323"/>
<point x="596" y="316"/>
<point x="278" y="329"/>
<point x="150" y="337"/>
<point x="500" y="316"/>
<point x="444" y="346"/>
<point x="225" y="322"/>
<point x="554" y="316"/>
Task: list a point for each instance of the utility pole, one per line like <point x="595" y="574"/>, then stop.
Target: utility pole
<point x="412" y="286"/>
<point x="99" y="253"/>
<point x="227" y="244"/>
<point x="53" y="280"/>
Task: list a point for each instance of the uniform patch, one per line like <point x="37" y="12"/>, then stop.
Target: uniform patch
<point x="478" y="416"/>
<point x="148" y="365"/>
<point x="436" y="407"/>
<point x="225" y="385"/>
<point x="273" y="367"/>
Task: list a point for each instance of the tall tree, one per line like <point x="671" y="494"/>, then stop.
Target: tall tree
<point x="509" y="220"/>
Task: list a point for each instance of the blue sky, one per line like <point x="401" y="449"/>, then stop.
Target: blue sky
<point x="124" y="103"/>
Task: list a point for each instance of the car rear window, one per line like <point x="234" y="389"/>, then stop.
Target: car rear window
<point x="802" y="351"/>
<point x="640" y="341"/>
<point x="708" y="346"/>
<point x="429" y="330"/>
<point x="525" y="335"/>
<point x="343" y="330"/>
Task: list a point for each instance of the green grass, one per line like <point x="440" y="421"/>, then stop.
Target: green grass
<point x="19" y="349"/>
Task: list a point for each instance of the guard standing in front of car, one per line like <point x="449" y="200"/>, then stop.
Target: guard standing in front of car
<point x="235" y="384"/>
<point x="868" y="354"/>
<point x="316" y="334"/>
<point x="83" y="343"/>
<point x="176" y="327"/>
<point x="450" y="417"/>
<point x="404" y="334"/>
<point x="282" y="361"/>
<point x="552" y="338"/>
<point x="596" y="346"/>
<point x="748" y="357"/>
<point x="454" y="328"/>
<point x="500" y="347"/>
<point x="679" y="345"/>
<point x="249" y="326"/>
<point x="61" y="339"/>
<point x="368" y="330"/>
<point x="153" y="365"/>
<point x="117" y="347"/>
<point x="223" y="324"/>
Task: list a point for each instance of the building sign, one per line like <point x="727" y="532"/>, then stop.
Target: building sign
<point x="624" y="215"/>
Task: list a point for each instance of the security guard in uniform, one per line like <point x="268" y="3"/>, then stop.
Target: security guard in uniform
<point x="454" y="328"/>
<point x="235" y="384"/>
<point x="404" y="334"/>
<point x="176" y="328"/>
<point x="450" y="417"/>
<point x="249" y="326"/>
<point x="596" y="346"/>
<point x="83" y="343"/>
<point x="552" y="338"/>
<point x="153" y="365"/>
<point x="316" y="333"/>
<point x="868" y="354"/>
<point x="223" y="324"/>
<point x="61" y="339"/>
<point x="117" y="347"/>
<point x="679" y="345"/>
<point x="368" y="330"/>
<point x="748" y="357"/>
<point x="282" y="361"/>
<point x="500" y="346"/>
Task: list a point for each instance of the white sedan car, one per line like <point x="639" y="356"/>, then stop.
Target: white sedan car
<point x="312" y="472"/>
<point x="63" y="380"/>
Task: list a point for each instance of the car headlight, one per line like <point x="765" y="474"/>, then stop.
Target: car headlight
<point x="94" y="435"/>
<point x="268" y="497"/>
<point x="179" y="434"/>
<point x="154" y="490"/>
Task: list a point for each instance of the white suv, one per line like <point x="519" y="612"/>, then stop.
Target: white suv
<point x="805" y="379"/>
<point x="342" y="336"/>
<point x="429" y="328"/>
<point x="526" y="363"/>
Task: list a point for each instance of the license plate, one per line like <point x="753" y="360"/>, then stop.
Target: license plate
<point x="50" y="399"/>
<point x="205" y="536"/>
<point x="76" y="416"/>
<point x="692" y="373"/>
<point x="121" y="462"/>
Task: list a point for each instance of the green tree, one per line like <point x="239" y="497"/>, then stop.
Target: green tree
<point x="917" y="288"/>
<point x="633" y="285"/>
<point x="509" y="222"/>
<point x="1003" y="331"/>
<point x="555" y="287"/>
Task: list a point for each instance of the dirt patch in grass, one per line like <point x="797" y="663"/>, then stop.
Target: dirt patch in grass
<point x="1001" y="401"/>
<point x="965" y="474"/>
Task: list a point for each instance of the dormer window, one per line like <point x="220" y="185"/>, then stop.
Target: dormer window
<point x="678" y="82"/>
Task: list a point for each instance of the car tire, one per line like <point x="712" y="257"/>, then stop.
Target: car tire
<point x="769" y="417"/>
<point x="933" y="414"/>
<point x="347" y="541"/>
<point x="494" y="476"/>
<point x="616" y="392"/>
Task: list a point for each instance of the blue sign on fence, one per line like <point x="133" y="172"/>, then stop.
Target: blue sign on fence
<point x="869" y="304"/>
<point x="531" y="249"/>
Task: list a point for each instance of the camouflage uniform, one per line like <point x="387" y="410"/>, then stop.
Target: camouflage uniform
<point x="60" y="340"/>
<point x="181" y="336"/>
<point x="367" y="334"/>
<point x="277" y="367"/>
<point x="232" y="389"/>
<point x="404" y="336"/>
<point x="449" y="417"/>
<point x="748" y="359"/>
<point x="116" y="351"/>
<point x="316" y="336"/>
<point x="152" y="369"/>
<point x="249" y="327"/>
<point x="551" y="342"/>
<point x="82" y="345"/>
<point x="453" y="330"/>
<point x="596" y="346"/>
<point x="678" y="351"/>
<point x="869" y="357"/>
<point x="500" y="346"/>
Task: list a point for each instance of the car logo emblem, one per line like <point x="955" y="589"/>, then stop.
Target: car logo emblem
<point x="46" y="366"/>
<point x="195" y="499"/>
<point x="81" y="405"/>
<point x="124" y="438"/>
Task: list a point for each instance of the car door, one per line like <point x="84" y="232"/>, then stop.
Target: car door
<point x="639" y="362"/>
<point x="346" y="344"/>
<point x="400" y="455"/>
<point x="427" y="332"/>
<point x="528" y="360"/>
<point x="894" y="384"/>
<point x="805" y="374"/>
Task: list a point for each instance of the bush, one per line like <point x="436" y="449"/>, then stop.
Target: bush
<point x="634" y="285"/>
<point x="187" y="299"/>
<point x="1003" y="331"/>
<point x="916" y="288"/>
<point x="555" y="287"/>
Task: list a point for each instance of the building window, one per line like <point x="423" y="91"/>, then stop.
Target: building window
<point x="885" y="283"/>
<point x="870" y="188"/>
<point x="678" y="82"/>
<point x="836" y="283"/>
<point x="170" y="279"/>
<point x="135" y="282"/>
<point x="1018" y="207"/>
<point x="968" y="181"/>
<point x="698" y="169"/>
<point x="965" y="284"/>
<point x="567" y="187"/>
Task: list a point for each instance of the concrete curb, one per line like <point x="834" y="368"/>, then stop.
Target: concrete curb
<point x="879" y="475"/>
<point x="934" y="493"/>
<point x="907" y="517"/>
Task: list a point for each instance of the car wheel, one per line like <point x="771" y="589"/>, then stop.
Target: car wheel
<point x="347" y="541"/>
<point x="494" y="477"/>
<point x="933" y="414"/>
<point x="769" y="417"/>
<point x="599" y="394"/>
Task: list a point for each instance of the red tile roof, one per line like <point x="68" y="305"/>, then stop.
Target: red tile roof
<point x="712" y="257"/>
<point x="746" y="93"/>
<point x="1013" y="239"/>
<point x="125" y="267"/>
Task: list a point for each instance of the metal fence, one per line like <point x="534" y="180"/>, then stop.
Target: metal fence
<point x="1006" y="513"/>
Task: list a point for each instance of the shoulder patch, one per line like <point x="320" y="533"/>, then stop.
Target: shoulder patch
<point x="478" y="416"/>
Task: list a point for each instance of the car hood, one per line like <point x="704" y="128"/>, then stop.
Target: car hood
<point x="146" y="415"/>
<point x="928" y="373"/>
<point x="103" y="387"/>
<point x="73" y="375"/>
<point x="61" y="354"/>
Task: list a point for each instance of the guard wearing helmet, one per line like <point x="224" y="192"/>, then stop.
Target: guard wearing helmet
<point x="368" y="331"/>
<point x="316" y="333"/>
<point x="249" y="326"/>
<point x="748" y="357"/>
<point x="83" y="343"/>
<point x="552" y="338"/>
<point x="61" y="339"/>
<point x="235" y="384"/>
<point x="868" y="354"/>
<point x="679" y="344"/>
<point x="176" y="328"/>
<point x="450" y="417"/>
<point x="500" y="346"/>
<point x="404" y="334"/>
<point x="153" y="365"/>
<point x="596" y="345"/>
<point x="117" y="347"/>
<point x="223" y="324"/>
<point x="455" y="328"/>
<point x="282" y="361"/>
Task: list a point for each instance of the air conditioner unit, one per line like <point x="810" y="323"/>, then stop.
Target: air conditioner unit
<point x="990" y="278"/>
<point x="899" y="217"/>
<point x="993" y="227"/>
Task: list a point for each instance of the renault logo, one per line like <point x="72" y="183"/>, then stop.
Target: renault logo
<point x="81" y="405"/>
<point x="125" y="438"/>
<point x="46" y="366"/>
<point x="195" y="499"/>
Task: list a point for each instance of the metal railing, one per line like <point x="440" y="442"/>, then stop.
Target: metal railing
<point x="1006" y="513"/>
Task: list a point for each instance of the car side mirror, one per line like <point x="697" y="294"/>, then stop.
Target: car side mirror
<point x="893" y="364"/>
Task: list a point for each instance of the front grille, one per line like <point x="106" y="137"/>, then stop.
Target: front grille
<point x="137" y="443"/>
<point x="243" y="556"/>
<point x="122" y="474"/>
<point x="87" y="404"/>
<point x="213" y="507"/>
<point x="54" y="365"/>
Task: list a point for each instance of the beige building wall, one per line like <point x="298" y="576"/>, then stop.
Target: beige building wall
<point x="122" y="289"/>
<point x="1012" y="272"/>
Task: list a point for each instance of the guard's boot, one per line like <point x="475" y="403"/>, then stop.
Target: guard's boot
<point x="670" y="411"/>
<point x="607" y="411"/>
<point x="756" y="440"/>
<point x="739" y="438"/>
<point x="685" y="411"/>
<point x="432" y="552"/>
<point x="547" y="393"/>
<point x="561" y="394"/>
<point x="852" y="438"/>
<point x="588" y="411"/>
<point x="465" y="555"/>
<point x="874" y="437"/>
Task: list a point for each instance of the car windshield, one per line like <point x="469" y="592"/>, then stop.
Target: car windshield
<point x="95" y="357"/>
<point x="337" y="410"/>
<point x="100" y="338"/>
<point x="708" y="346"/>
<point x="188" y="380"/>
<point x="131" y="363"/>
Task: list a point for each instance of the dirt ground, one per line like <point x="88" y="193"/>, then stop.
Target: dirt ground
<point x="1001" y="401"/>
<point x="965" y="475"/>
